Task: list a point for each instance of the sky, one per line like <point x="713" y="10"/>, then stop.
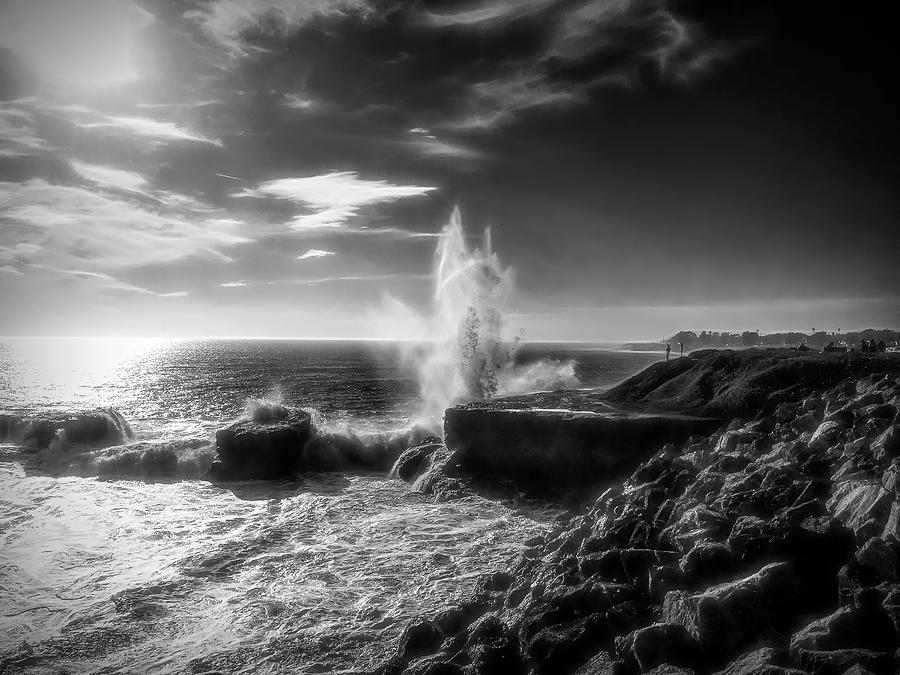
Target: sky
<point x="282" y="168"/>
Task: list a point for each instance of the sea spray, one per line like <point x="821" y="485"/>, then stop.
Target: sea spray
<point x="469" y="353"/>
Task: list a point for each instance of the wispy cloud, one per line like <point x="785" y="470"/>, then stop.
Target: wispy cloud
<point x="339" y="189"/>
<point x="112" y="283"/>
<point x="315" y="253"/>
<point x="149" y="128"/>
<point x="485" y="14"/>
<point x="334" y="197"/>
<point x="229" y="21"/>
<point x="583" y="48"/>
<point x="17" y="135"/>
<point x="108" y="176"/>
<point x="297" y="102"/>
<point x="234" y="284"/>
<point x="70" y="227"/>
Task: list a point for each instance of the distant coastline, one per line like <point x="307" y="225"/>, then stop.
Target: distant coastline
<point x="747" y="339"/>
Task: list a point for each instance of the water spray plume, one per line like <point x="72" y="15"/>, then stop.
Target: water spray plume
<point x="470" y="354"/>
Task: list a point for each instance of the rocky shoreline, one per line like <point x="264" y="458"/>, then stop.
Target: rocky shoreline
<point x="769" y="545"/>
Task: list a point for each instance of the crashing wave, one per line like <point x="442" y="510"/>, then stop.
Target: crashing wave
<point x="98" y="428"/>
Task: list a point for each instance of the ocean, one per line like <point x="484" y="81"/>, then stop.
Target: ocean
<point x="314" y="576"/>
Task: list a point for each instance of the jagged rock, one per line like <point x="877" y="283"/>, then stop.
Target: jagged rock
<point x="660" y="643"/>
<point x="843" y="417"/>
<point x="262" y="450"/>
<point x="699" y="523"/>
<point x="563" y="647"/>
<point x="873" y="564"/>
<point x="432" y="665"/>
<point x="856" y="502"/>
<point x="838" y="661"/>
<point x="762" y="661"/>
<point x="887" y="445"/>
<point x="848" y="628"/>
<point x="825" y="435"/>
<point x="710" y="562"/>
<point x="729" y="616"/>
<point x="599" y="664"/>
<point x="892" y="525"/>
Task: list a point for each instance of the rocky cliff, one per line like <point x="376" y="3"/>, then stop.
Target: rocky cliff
<point x="769" y="545"/>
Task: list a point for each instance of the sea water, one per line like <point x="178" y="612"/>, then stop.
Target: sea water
<point x="313" y="576"/>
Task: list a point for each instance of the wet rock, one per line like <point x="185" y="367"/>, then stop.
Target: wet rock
<point x="493" y="649"/>
<point x="415" y="460"/>
<point x="564" y="647"/>
<point x="419" y="639"/>
<point x="261" y="450"/>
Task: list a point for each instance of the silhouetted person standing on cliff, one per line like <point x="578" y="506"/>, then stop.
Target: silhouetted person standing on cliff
<point x="668" y="350"/>
<point x="681" y="347"/>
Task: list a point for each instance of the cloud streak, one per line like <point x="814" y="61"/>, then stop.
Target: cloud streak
<point x="70" y="227"/>
<point x="335" y="198"/>
<point x="315" y="253"/>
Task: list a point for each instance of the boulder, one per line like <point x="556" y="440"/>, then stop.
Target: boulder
<point x="658" y="644"/>
<point x="262" y="450"/>
<point x="730" y="616"/>
<point x="848" y="628"/>
<point x="708" y="562"/>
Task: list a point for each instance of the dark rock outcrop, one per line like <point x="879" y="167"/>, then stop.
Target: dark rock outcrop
<point x="267" y="450"/>
<point x="546" y="453"/>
